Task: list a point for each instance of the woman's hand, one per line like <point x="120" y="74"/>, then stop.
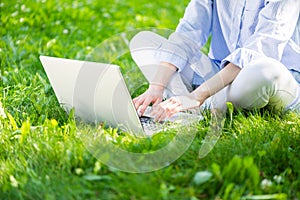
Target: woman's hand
<point x="154" y="95"/>
<point x="174" y="105"/>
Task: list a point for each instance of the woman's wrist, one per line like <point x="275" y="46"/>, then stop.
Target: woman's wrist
<point x="200" y="94"/>
<point x="164" y="73"/>
<point x="156" y="86"/>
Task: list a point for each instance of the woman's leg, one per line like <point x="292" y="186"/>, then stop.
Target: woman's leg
<point x="266" y="82"/>
<point x="143" y="47"/>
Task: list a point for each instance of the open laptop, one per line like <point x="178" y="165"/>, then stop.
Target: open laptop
<point x="98" y="93"/>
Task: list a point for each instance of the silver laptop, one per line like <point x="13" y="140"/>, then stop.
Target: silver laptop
<point x="98" y="93"/>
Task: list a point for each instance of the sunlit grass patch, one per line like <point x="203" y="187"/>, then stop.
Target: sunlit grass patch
<point x="43" y="155"/>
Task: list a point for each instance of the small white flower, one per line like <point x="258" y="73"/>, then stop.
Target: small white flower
<point x="23" y="7"/>
<point x="18" y="42"/>
<point x="278" y="179"/>
<point x="14" y="14"/>
<point x="65" y="31"/>
<point x="79" y="171"/>
<point x="22" y="20"/>
<point x="265" y="184"/>
<point x="106" y="15"/>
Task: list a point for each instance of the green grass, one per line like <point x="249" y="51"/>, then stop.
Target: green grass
<point x="43" y="157"/>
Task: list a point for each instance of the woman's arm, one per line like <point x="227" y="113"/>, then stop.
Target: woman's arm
<point x="277" y="21"/>
<point x="154" y="94"/>
<point x="216" y="83"/>
<point x="191" y="34"/>
<point x="176" y="104"/>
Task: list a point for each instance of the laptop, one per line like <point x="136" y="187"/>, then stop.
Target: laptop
<point x="98" y="93"/>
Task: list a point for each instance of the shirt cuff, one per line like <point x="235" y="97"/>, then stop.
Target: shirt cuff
<point x="172" y="57"/>
<point x="177" y="50"/>
<point x="241" y="57"/>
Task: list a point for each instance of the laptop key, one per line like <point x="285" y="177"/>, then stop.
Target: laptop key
<point x="149" y="124"/>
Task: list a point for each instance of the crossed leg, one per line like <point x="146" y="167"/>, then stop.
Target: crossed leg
<point x="265" y="82"/>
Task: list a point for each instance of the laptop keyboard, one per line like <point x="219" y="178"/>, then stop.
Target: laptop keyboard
<point x="149" y="124"/>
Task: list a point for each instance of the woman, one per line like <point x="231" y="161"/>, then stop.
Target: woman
<point x="253" y="62"/>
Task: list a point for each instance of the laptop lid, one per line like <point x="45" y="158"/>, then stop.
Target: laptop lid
<point x="97" y="91"/>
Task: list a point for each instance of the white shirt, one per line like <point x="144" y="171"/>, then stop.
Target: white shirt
<point x="241" y="31"/>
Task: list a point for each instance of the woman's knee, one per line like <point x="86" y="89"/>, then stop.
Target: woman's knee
<point x="143" y="47"/>
<point x="264" y="72"/>
<point x="258" y="83"/>
<point x="145" y="39"/>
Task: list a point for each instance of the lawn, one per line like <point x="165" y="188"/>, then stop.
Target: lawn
<point x="43" y="156"/>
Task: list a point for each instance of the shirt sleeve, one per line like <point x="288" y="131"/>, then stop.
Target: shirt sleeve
<point x="276" y="24"/>
<point x="191" y="34"/>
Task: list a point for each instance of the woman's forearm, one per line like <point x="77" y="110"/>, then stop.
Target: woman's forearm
<point x="163" y="75"/>
<point x="216" y="83"/>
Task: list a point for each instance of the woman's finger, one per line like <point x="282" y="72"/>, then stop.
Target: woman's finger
<point x="144" y="105"/>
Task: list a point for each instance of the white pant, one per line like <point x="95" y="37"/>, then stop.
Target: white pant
<point x="262" y="83"/>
